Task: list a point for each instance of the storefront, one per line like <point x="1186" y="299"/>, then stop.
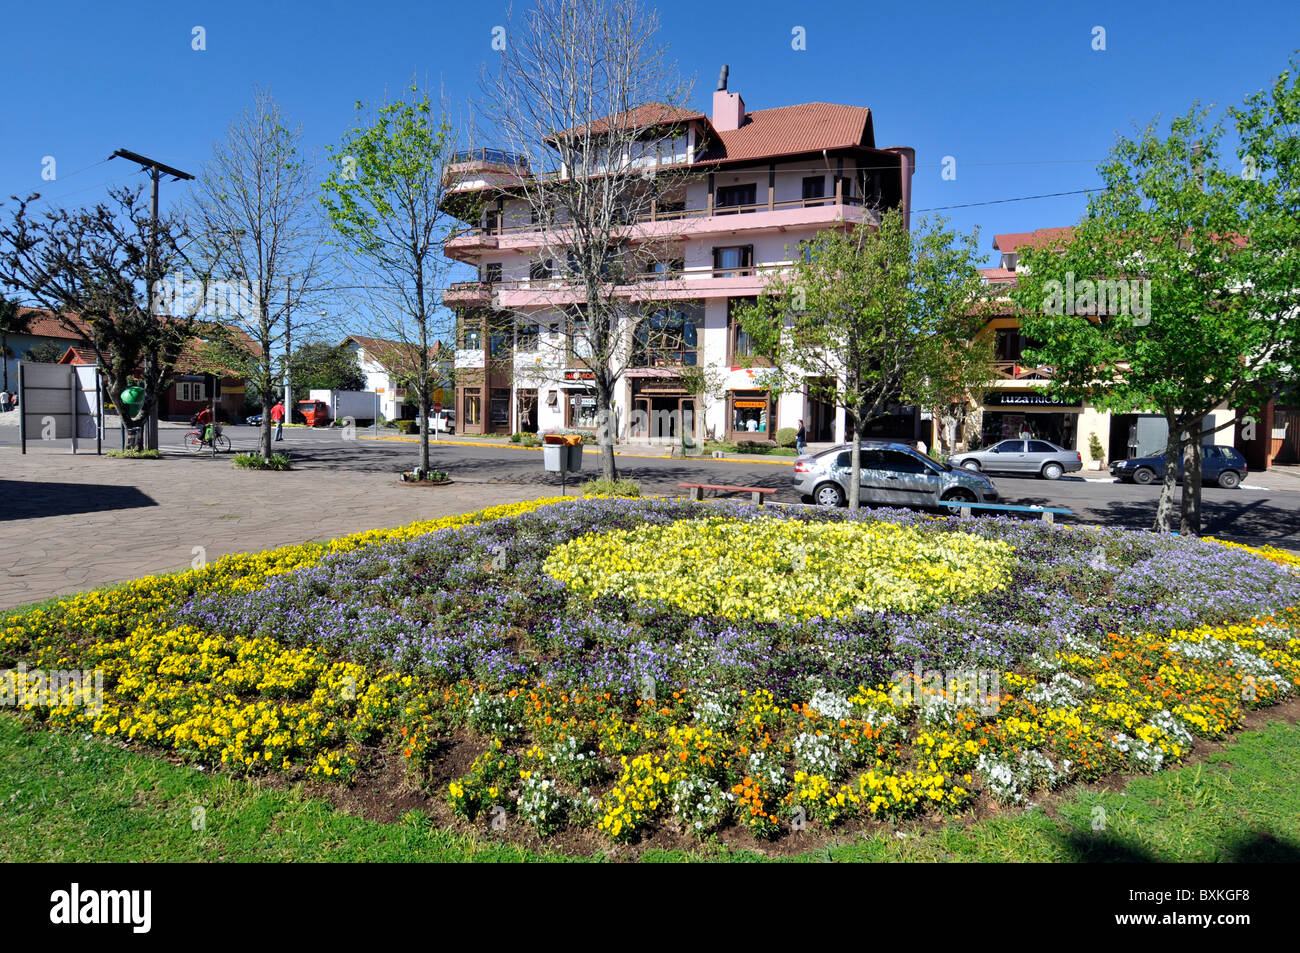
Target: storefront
<point x="578" y="396"/>
<point x="1029" y="414"/>
<point x="662" y="409"/>
<point x="750" y="415"/>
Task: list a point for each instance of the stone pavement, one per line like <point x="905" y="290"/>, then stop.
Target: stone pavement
<point x="69" y="523"/>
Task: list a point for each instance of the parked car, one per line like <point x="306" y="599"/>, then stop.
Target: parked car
<point x="444" y="421"/>
<point x="893" y="474"/>
<point x="1222" y="465"/>
<point x="254" y="421"/>
<point x="1021" y="456"/>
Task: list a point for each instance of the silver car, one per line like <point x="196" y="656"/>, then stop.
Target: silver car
<point x="892" y="474"/>
<point x="1021" y="456"/>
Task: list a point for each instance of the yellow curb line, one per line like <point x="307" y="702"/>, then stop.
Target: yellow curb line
<point x="788" y="461"/>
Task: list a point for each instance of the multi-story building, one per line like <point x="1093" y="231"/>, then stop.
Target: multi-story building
<point x="1014" y="402"/>
<point x="751" y="185"/>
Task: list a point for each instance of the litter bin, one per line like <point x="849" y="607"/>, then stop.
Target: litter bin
<point x="561" y="452"/>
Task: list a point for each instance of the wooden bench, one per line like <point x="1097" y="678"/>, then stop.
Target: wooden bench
<point x="1047" y="513"/>
<point x="697" y="490"/>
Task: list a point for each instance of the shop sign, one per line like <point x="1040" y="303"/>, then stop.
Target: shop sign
<point x="1025" y="400"/>
<point x="754" y="404"/>
<point x="579" y="375"/>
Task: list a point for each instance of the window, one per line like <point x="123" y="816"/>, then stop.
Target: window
<point x="899" y="462"/>
<point x="1010" y="446"/>
<point x="191" y="391"/>
<point x="527" y="337"/>
<point x="814" y="187"/>
<point x="749" y="411"/>
<point x="1009" y="344"/>
<point x="541" y="269"/>
<point x="737" y="197"/>
<point x="1041" y="446"/>
<point x="579" y="343"/>
<point x="471" y="334"/>
<point x="492" y="221"/>
<point x="733" y="262"/>
<point x="500" y="407"/>
<point x="664" y="270"/>
<point x="492" y="272"/>
<point x="666" y="338"/>
<point x="846" y="187"/>
<point x="740" y="344"/>
<point x="473" y="409"/>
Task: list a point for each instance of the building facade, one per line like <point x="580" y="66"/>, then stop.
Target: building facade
<point x="750" y="187"/>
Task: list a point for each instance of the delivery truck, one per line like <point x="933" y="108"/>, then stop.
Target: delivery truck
<point x="361" y="405"/>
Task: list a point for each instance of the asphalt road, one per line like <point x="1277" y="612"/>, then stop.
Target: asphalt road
<point x="1253" y="515"/>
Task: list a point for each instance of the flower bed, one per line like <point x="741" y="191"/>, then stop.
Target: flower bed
<point x="585" y="654"/>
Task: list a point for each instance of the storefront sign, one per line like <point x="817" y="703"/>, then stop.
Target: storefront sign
<point x="579" y="375"/>
<point x="997" y="399"/>
<point x="756" y="404"/>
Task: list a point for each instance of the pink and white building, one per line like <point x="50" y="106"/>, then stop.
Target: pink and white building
<point x="757" y="184"/>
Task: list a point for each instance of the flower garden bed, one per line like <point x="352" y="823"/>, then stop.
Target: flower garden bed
<point x="632" y="670"/>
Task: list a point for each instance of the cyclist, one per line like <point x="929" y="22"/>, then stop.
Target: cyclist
<point x="201" y="421"/>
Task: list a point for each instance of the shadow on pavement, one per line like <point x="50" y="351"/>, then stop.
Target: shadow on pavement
<point x="20" y="500"/>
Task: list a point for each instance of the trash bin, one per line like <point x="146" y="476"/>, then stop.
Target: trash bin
<point x="561" y="452"/>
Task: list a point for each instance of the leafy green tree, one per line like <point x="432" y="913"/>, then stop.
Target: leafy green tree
<point x="384" y="198"/>
<point x="1152" y="303"/>
<point x="47" y="352"/>
<point x="318" y="365"/>
<point x="874" y="316"/>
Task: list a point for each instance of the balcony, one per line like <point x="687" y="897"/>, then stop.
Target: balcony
<point x="1018" y="371"/>
<point x="676" y="223"/>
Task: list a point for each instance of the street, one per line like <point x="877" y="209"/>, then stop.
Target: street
<point x="1250" y="513"/>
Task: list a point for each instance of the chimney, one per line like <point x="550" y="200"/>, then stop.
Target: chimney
<point x="728" y="108"/>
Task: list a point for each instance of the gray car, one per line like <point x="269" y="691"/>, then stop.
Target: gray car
<point x="893" y="474"/>
<point x="1021" y="456"/>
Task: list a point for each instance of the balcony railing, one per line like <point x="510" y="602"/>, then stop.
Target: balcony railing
<point x="1019" y="371"/>
<point x="495" y="156"/>
<point x="555" y="283"/>
<point x="666" y="215"/>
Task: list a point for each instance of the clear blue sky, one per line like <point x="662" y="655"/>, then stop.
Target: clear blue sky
<point x="1012" y="90"/>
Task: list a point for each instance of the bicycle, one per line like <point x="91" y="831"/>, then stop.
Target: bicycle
<point x="195" y="441"/>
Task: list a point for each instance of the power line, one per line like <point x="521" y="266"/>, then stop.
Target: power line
<point x="1023" y="198"/>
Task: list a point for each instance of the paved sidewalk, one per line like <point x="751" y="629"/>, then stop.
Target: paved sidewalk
<point x="69" y="523"/>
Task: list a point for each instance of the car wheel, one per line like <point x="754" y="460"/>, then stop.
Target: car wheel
<point x="959" y="495"/>
<point x="971" y="465"/>
<point x="1229" y="479"/>
<point x="1144" y="475"/>
<point x="1053" y="471"/>
<point x="829" y="494"/>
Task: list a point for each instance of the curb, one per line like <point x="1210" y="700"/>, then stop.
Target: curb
<point x="733" y="458"/>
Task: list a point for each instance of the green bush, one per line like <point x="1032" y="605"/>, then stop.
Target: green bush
<point x="136" y="454"/>
<point x="604" y="487"/>
<point x="1095" y="449"/>
<point x="516" y="437"/>
<point x="530" y="440"/>
<point x="406" y="427"/>
<point x="254" y="461"/>
<point x="786" y="436"/>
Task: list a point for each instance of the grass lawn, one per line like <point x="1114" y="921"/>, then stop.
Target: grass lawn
<point x="66" y="798"/>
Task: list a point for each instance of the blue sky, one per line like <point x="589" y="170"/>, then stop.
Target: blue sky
<point x="1013" y="91"/>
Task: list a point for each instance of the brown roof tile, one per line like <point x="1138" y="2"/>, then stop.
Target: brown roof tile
<point x="790" y="130"/>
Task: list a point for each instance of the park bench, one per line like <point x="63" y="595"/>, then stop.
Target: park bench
<point x="1045" y="512"/>
<point x="697" y="490"/>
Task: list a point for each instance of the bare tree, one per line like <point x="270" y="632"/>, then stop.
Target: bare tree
<point x="384" y="196"/>
<point x="255" y="214"/>
<point x="590" y="106"/>
<point x="90" y="268"/>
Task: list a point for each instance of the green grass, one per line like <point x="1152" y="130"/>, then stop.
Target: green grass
<point x="69" y="798"/>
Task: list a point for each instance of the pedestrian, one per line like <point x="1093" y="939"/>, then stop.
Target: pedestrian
<point x="4" y="401"/>
<point x="800" y="439"/>
<point x="277" y="414"/>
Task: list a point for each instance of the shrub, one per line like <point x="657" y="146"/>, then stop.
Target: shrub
<point x="785" y="437"/>
<point x="136" y="454"/>
<point x="406" y="427"/>
<point x="604" y="487"/>
<point x="254" y="461"/>
<point x="1095" y="448"/>
<point x="516" y="437"/>
<point x="530" y="440"/>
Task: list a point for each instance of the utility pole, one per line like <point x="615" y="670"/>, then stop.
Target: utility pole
<point x="156" y="170"/>
<point x="288" y="351"/>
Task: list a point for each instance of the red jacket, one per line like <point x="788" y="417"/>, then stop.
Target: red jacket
<point x="277" y="412"/>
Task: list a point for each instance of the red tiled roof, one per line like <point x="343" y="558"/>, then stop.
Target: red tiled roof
<point x="639" y="117"/>
<point x="47" y="324"/>
<point x="790" y="130"/>
<point x="1038" y="238"/>
<point x="79" y="355"/>
<point x="998" y="275"/>
<point x="392" y="354"/>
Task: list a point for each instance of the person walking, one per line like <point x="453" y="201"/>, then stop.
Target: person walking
<point x="4" y="401"/>
<point x="277" y="414"/>
<point x="800" y="439"/>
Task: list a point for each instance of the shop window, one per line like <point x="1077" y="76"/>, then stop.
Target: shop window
<point x="500" y="407"/>
<point x="473" y="410"/>
<point x="582" y="409"/>
<point x="750" y="412"/>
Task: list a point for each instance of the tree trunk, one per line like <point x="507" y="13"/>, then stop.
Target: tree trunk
<point x="855" y="465"/>
<point x="1191" y="501"/>
<point x="4" y="360"/>
<point x="605" y="431"/>
<point x="1165" y="508"/>
<point x="423" y="403"/>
